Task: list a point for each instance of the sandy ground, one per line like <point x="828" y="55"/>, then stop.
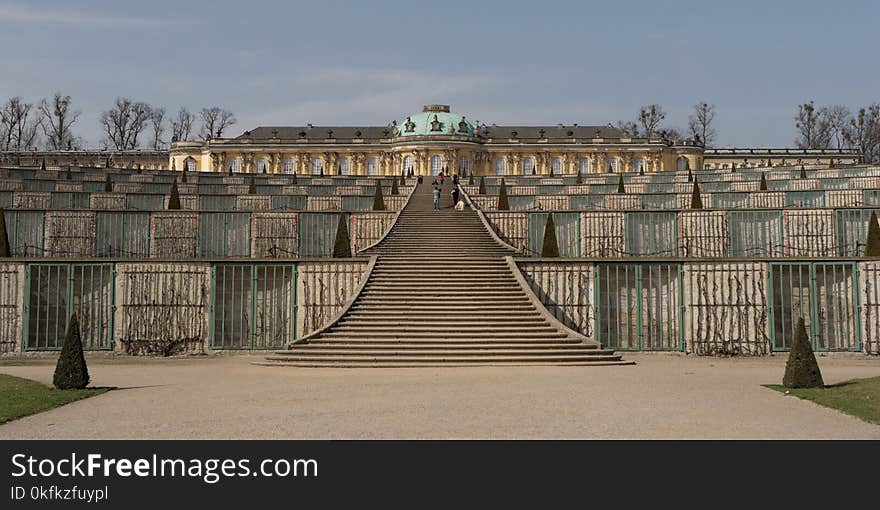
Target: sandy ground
<point x="663" y="396"/>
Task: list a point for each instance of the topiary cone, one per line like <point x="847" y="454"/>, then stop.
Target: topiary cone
<point x="803" y="172"/>
<point x="68" y="175"/>
<point x="578" y="180"/>
<point x="342" y="245"/>
<point x="482" y="190"/>
<point x="394" y="189"/>
<point x="378" y="200"/>
<point x="620" y="186"/>
<point x="71" y="371"/>
<point x="763" y="185"/>
<point x="642" y="170"/>
<point x="550" y="248"/>
<point x="293" y="179"/>
<point x="183" y="177"/>
<point x="5" y="249"/>
<point x="690" y="176"/>
<point x="43" y="164"/>
<point x="108" y="185"/>
<point x="174" y="198"/>
<point x="471" y="180"/>
<point x="801" y="369"/>
<point x="872" y="241"/>
<point x="252" y="187"/>
<point x="402" y="180"/>
<point x="503" y="204"/>
<point x="696" y="201"/>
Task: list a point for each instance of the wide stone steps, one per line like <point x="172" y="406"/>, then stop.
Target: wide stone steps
<point x="442" y="294"/>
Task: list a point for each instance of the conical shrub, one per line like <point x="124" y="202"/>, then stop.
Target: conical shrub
<point x="801" y="369"/>
<point x="503" y="204"/>
<point x="690" y="176"/>
<point x="342" y="245"/>
<point x="872" y="242"/>
<point x="803" y="172"/>
<point x="641" y="170"/>
<point x="620" y="186"/>
<point x="482" y="190"/>
<point x="378" y="199"/>
<point x="107" y="163"/>
<point x="108" y="185"/>
<point x="174" y="198"/>
<point x="293" y="179"/>
<point x="183" y="177"/>
<point x="696" y="200"/>
<point x="763" y="185"/>
<point x="5" y="249"/>
<point x="534" y="171"/>
<point x="402" y="180"/>
<point x="550" y="247"/>
<point x="471" y="180"/>
<point x="71" y="371"/>
<point x="68" y="175"/>
<point x="252" y="187"/>
<point x="394" y="189"/>
<point x="579" y="179"/>
<point x="43" y="164"/>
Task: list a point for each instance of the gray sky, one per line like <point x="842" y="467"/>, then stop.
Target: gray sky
<point x="365" y="63"/>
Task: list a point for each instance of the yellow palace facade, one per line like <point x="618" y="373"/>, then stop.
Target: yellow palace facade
<point x="431" y="141"/>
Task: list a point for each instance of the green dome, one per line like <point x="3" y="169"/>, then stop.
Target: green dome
<point x="422" y="123"/>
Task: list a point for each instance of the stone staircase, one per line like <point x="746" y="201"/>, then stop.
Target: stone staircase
<point x="442" y="294"/>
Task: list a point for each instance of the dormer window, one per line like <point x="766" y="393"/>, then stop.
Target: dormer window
<point x="409" y="126"/>
<point x="436" y="124"/>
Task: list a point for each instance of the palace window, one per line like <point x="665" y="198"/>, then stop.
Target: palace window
<point x="289" y="166"/>
<point x="500" y="166"/>
<point x="556" y="166"/>
<point x="462" y="165"/>
<point x="528" y="166"/>
<point x="681" y="164"/>
<point x="234" y="164"/>
<point x="344" y="166"/>
<point x="611" y="164"/>
<point x="584" y="165"/>
<point x="407" y="164"/>
<point x="262" y="163"/>
<point x="189" y="165"/>
<point x="639" y="165"/>
<point x="436" y="165"/>
<point x="372" y="166"/>
<point x="317" y="166"/>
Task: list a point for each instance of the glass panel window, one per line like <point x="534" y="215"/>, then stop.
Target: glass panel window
<point x="611" y="165"/>
<point x="261" y="165"/>
<point x="556" y="166"/>
<point x="234" y="164"/>
<point x="528" y="166"/>
<point x="317" y="166"/>
<point x="584" y="165"/>
<point x="344" y="166"/>
<point x="463" y="165"/>
<point x="372" y="166"/>
<point x="500" y="166"/>
<point x="436" y="164"/>
<point x="289" y="166"/>
<point x="407" y="164"/>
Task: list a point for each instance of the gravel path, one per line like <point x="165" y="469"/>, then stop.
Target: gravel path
<point x="664" y="396"/>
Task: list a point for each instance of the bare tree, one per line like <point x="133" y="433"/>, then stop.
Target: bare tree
<point x="863" y="133"/>
<point x="157" y="125"/>
<point x="124" y="123"/>
<point x="813" y="125"/>
<point x="701" y="123"/>
<point x="835" y="120"/>
<point x="181" y="126"/>
<point x="650" y="118"/>
<point x="58" y="118"/>
<point x="19" y="122"/>
<point x="214" y="121"/>
<point x="628" y="128"/>
<point x="673" y="134"/>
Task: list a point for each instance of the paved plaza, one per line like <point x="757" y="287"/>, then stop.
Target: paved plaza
<point x="662" y="396"/>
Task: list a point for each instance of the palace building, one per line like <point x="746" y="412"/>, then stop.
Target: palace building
<point x="433" y="140"/>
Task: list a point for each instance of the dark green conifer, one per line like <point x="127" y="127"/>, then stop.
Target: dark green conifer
<point x="394" y="189"/>
<point x="550" y="248"/>
<point x="872" y="242"/>
<point x="803" y="172"/>
<point x="174" y="198"/>
<point x="579" y="179"/>
<point x="801" y="369"/>
<point x="482" y="190"/>
<point x="252" y="187"/>
<point x="763" y="185"/>
<point x="108" y="185"/>
<point x="342" y="245"/>
<point x="5" y="249"/>
<point x="503" y="204"/>
<point x="620" y="186"/>
<point x="71" y="371"/>
<point x="378" y="199"/>
<point x="43" y="164"/>
<point x="471" y="180"/>
<point x="696" y="200"/>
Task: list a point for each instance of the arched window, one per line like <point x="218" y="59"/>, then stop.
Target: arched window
<point x="317" y="166"/>
<point x="344" y="166"/>
<point x="436" y="164"/>
<point x="262" y="164"/>
<point x="234" y="164"/>
<point x="528" y="166"/>
<point x="290" y="166"/>
<point x="463" y="165"/>
<point x="584" y="165"/>
<point x="556" y="166"/>
<point x="500" y="166"/>
<point x="407" y="164"/>
<point x="611" y="164"/>
<point x="189" y="164"/>
<point x="681" y="164"/>
<point x="372" y="166"/>
<point x="639" y="165"/>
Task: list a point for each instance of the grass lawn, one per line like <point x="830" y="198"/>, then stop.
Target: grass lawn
<point x="859" y="397"/>
<point x="22" y="397"/>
